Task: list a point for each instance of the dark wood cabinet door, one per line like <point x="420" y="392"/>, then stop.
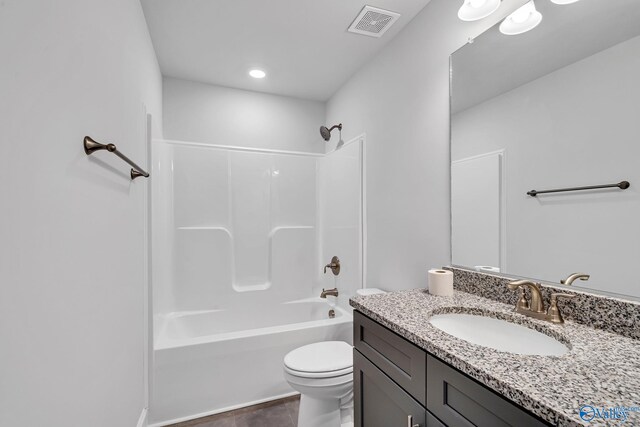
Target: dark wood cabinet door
<point x="402" y="361"/>
<point x="379" y="402"/>
<point x="460" y="401"/>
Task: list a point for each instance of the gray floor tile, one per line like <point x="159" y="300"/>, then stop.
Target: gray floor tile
<point x="272" y="416"/>
<point x="263" y="405"/>
<point x="220" y="420"/>
<point x="223" y="422"/>
<point x="275" y="413"/>
<point x="292" y="407"/>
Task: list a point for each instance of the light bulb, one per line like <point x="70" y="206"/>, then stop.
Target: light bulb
<point x="524" y="19"/>
<point x="473" y="10"/>
<point x="522" y="14"/>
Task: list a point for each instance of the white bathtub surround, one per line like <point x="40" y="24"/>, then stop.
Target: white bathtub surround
<point x="240" y="240"/>
<point x="229" y="223"/>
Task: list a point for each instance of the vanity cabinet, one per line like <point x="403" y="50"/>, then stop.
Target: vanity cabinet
<point x="402" y="361"/>
<point x="398" y="384"/>
<point x="458" y="400"/>
<point x="381" y="402"/>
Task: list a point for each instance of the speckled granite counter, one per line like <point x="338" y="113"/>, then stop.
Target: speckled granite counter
<point x="601" y="369"/>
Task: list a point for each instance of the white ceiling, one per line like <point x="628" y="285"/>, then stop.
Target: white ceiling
<point x="303" y="45"/>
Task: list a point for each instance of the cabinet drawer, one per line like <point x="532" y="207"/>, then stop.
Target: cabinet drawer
<point x="458" y="400"/>
<point x="401" y="360"/>
<point x="379" y="402"/>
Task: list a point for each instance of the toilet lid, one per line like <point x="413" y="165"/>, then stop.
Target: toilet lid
<point x="325" y="356"/>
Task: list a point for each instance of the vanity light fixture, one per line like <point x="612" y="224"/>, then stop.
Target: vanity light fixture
<point x="473" y="10"/>
<point x="522" y="20"/>
<point x="564" y="1"/>
<point x="257" y="74"/>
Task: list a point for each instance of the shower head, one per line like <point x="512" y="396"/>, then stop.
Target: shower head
<point x="326" y="133"/>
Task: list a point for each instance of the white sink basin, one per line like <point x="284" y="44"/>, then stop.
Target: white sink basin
<point x="498" y="334"/>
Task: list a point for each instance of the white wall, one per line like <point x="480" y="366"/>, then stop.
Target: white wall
<point x="401" y="100"/>
<point x="573" y="127"/>
<point x="72" y="273"/>
<point x="219" y="115"/>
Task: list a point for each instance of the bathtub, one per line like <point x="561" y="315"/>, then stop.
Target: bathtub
<point x="213" y="361"/>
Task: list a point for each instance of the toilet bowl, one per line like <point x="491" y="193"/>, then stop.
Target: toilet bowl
<point x="323" y="374"/>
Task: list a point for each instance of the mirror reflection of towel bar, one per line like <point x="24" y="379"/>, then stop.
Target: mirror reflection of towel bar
<point x="91" y="145"/>
<point x="623" y="185"/>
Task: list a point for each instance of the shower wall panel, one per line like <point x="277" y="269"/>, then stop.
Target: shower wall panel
<point x="250" y="191"/>
<point x="203" y="263"/>
<point x="340" y="181"/>
<point x="242" y="228"/>
<point x="200" y="186"/>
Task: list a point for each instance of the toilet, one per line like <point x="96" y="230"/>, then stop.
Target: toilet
<point x="323" y="374"/>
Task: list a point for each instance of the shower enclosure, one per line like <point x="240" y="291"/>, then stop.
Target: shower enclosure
<point x="240" y="237"/>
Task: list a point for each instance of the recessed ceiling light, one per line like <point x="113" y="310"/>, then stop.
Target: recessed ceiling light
<point x="473" y="10"/>
<point x="563" y="1"/>
<point x="257" y="74"/>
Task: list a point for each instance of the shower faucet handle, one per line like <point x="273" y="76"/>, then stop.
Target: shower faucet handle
<point x="334" y="265"/>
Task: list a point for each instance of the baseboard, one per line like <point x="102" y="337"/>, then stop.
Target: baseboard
<point x="142" y="421"/>
<point x="219" y="411"/>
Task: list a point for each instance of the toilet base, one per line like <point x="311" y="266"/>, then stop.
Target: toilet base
<point x="323" y="413"/>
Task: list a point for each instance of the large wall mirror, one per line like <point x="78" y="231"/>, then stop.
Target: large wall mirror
<point x="556" y="107"/>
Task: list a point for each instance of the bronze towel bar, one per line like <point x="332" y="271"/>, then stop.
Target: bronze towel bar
<point x="91" y="145"/>
<point x="623" y="185"/>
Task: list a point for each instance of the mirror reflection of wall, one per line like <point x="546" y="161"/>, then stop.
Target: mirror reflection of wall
<point x="476" y="212"/>
<point x="569" y="124"/>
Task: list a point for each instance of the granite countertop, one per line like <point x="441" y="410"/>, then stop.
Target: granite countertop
<point x="601" y="369"/>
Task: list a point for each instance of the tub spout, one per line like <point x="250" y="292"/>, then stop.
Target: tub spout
<point x="333" y="292"/>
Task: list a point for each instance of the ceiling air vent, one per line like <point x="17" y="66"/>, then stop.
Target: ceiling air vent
<point x="373" y="22"/>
